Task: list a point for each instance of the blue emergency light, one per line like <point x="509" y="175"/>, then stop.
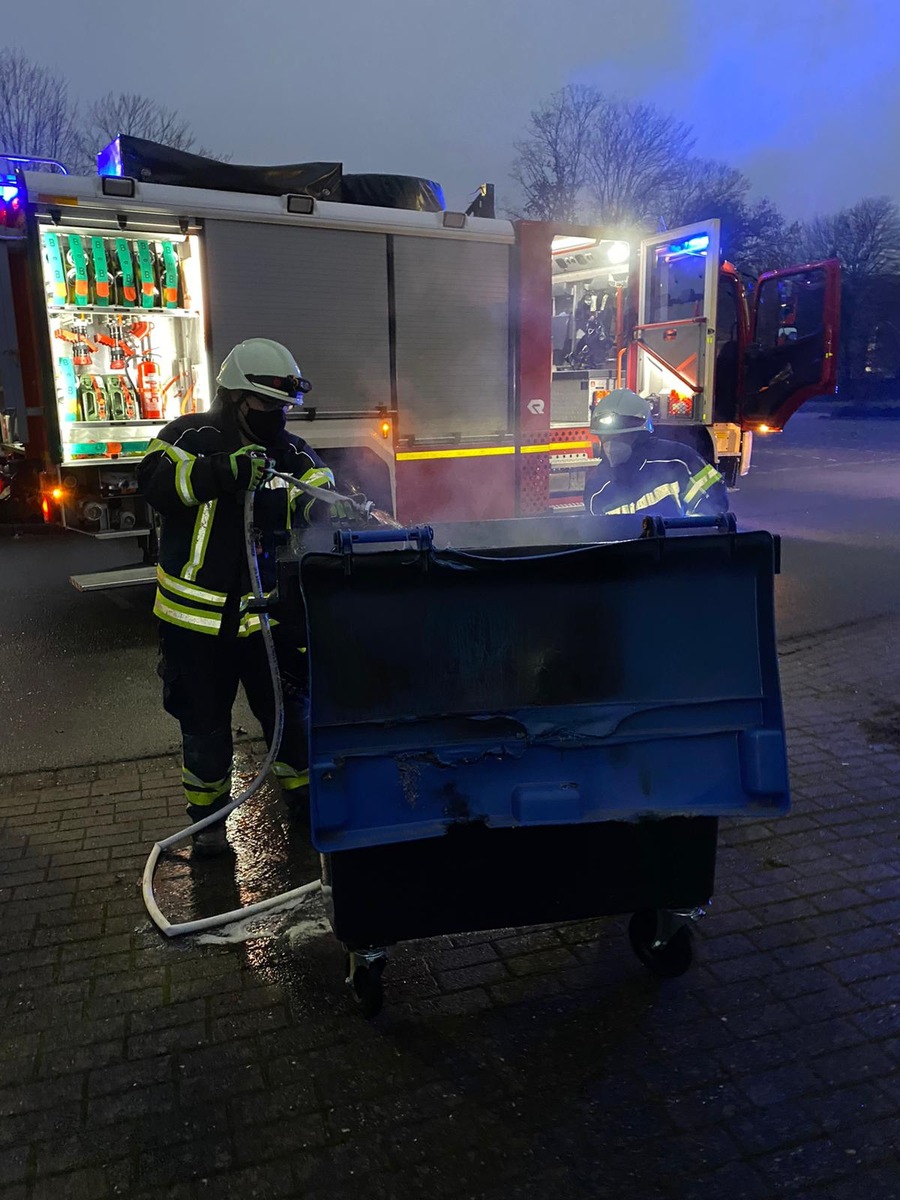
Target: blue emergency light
<point x="109" y="160"/>
<point x="693" y="245"/>
<point x="12" y="208"/>
<point x="12" y="199"/>
<point x="12" y="189"/>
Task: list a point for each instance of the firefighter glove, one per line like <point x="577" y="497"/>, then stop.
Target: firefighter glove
<point x="250" y="468"/>
<point x="344" y="511"/>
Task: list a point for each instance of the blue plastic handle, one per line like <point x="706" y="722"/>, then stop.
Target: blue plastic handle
<point x="698" y="522"/>
<point x="346" y="539"/>
<point x="719" y="521"/>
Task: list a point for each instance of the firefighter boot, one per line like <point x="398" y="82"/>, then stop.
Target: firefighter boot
<point x="209" y="842"/>
<point x="296" y="801"/>
<point x="294" y="785"/>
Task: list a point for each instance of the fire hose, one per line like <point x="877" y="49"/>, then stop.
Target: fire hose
<point x="284" y="899"/>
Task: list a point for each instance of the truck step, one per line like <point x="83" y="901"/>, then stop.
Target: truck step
<point x="116" y="578"/>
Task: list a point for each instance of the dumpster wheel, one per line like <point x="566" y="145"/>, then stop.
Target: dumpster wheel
<point x="666" y="959"/>
<point x="364" y="977"/>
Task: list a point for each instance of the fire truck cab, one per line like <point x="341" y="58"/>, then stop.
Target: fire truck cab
<point x="672" y="320"/>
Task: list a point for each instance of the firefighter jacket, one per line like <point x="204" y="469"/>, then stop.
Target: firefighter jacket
<point x="660" y="478"/>
<point x="202" y="575"/>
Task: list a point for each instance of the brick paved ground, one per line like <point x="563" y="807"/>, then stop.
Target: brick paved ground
<point x="520" y="1064"/>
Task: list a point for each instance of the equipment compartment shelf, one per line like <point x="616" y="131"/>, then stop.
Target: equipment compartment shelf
<point x="135" y="310"/>
<point x="102" y="460"/>
<point x="87" y="426"/>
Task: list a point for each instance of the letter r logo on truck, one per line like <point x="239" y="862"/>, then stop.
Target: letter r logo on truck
<point x="536" y="407"/>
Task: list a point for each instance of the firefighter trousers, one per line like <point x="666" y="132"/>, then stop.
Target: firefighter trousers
<point x="201" y="675"/>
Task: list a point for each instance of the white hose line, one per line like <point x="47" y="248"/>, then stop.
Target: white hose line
<point x="219" y="919"/>
<point x="327" y="495"/>
<point x="331" y="498"/>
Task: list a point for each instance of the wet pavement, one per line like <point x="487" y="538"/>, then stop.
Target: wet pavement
<point x="506" y="1065"/>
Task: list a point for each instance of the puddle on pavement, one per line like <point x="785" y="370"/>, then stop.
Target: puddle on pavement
<point x="272" y="853"/>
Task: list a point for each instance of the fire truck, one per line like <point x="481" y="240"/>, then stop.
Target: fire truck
<point x="455" y="357"/>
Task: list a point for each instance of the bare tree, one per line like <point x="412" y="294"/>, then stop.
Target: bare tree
<point x="635" y="155"/>
<point x="594" y="159"/>
<point x="590" y="157"/>
<point x="140" y="116"/>
<point x="755" y="236"/>
<point x="35" y="112"/>
<point x="551" y="165"/>
<point x="137" y="116"/>
<point x="700" y="186"/>
<point x="764" y="241"/>
<point x="865" y="237"/>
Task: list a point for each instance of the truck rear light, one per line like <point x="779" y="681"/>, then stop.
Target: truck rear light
<point x="679" y="406"/>
<point x="385" y="429"/>
<point x="50" y="499"/>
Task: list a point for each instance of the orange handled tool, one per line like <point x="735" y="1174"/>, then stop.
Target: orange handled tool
<point x="119" y="351"/>
<point x="82" y="348"/>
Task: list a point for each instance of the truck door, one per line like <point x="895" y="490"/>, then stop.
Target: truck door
<point x="793" y="354"/>
<point x="673" y="352"/>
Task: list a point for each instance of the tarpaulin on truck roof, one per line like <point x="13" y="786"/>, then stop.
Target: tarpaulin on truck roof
<point x="151" y="162"/>
<point x="393" y="191"/>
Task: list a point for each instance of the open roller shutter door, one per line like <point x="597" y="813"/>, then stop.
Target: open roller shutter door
<point x="322" y="292"/>
<point x="12" y="394"/>
<point x="452" y="322"/>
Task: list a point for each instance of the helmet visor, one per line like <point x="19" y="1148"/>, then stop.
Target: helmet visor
<point x="293" y="387"/>
<point x="610" y="423"/>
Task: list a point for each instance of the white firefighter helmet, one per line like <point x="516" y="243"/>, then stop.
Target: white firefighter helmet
<point x="620" y="411"/>
<point x="265" y="368"/>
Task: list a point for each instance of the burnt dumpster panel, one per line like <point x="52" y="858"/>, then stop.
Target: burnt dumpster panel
<point x="555" y="686"/>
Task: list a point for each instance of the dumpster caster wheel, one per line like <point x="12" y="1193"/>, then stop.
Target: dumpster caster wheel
<point x="668" y="960"/>
<point x="365" y="980"/>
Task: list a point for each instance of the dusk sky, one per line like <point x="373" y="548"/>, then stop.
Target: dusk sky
<point x="804" y="95"/>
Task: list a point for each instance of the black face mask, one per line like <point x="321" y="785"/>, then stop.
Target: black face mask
<point x="617" y="451"/>
<point x="265" y="424"/>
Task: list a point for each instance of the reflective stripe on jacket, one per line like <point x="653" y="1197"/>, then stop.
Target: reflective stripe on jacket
<point x="660" y="478"/>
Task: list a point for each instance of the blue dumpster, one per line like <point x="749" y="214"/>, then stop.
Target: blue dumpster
<point x="516" y="734"/>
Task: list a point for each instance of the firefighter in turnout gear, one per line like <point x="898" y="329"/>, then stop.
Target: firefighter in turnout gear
<point x="639" y="472"/>
<point x="196" y="474"/>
